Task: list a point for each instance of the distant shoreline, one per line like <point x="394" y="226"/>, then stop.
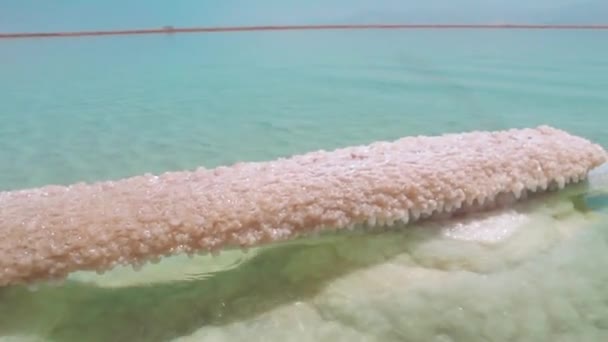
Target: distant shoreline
<point x="173" y="30"/>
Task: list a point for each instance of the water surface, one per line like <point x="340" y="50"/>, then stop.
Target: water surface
<point x="104" y="108"/>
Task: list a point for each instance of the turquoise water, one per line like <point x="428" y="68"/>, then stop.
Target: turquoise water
<point x="105" y="108"/>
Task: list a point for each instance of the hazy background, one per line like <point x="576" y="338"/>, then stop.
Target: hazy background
<point x="35" y="15"/>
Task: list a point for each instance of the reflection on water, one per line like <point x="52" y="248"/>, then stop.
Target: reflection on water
<point x="331" y="287"/>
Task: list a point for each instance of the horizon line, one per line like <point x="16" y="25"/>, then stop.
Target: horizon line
<point x="219" y="29"/>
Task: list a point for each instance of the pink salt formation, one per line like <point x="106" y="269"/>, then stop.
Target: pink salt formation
<point x="48" y="232"/>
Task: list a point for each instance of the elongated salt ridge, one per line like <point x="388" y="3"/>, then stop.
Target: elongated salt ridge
<point x="46" y="233"/>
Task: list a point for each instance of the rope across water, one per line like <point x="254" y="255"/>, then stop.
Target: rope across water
<point x="173" y="30"/>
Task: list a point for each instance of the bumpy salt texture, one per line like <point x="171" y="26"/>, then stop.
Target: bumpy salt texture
<point x="48" y="232"/>
<point x="529" y="272"/>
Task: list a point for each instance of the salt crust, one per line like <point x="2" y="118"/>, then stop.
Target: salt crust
<point x="48" y="232"/>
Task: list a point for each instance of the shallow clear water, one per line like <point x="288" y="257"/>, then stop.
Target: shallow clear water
<point x="92" y="109"/>
<point x="99" y="108"/>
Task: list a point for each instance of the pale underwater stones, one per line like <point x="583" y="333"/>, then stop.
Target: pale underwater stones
<point x="538" y="283"/>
